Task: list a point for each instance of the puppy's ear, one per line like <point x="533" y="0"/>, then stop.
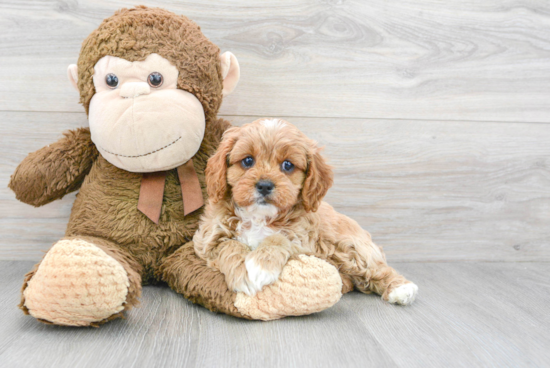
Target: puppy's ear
<point x="216" y="168"/>
<point x="319" y="179"/>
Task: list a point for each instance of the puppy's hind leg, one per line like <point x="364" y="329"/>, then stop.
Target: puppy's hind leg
<point x="365" y="263"/>
<point x="394" y="288"/>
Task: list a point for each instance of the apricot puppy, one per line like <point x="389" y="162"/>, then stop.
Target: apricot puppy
<point x="265" y="185"/>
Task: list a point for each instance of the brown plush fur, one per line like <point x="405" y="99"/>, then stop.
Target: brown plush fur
<point x="105" y="211"/>
<point x="55" y="170"/>
<point x="106" y="207"/>
<point x="134" y="34"/>
<point x="302" y="223"/>
<point x="199" y="284"/>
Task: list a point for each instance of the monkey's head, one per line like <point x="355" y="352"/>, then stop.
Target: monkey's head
<point x="151" y="83"/>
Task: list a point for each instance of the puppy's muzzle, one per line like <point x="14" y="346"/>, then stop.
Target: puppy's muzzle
<point x="265" y="187"/>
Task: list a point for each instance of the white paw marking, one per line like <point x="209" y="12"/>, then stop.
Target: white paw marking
<point x="404" y="294"/>
<point x="258" y="276"/>
<point x="244" y="287"/>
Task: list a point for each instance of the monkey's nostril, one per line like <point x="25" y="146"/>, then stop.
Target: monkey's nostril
<point x="265" y="187"/>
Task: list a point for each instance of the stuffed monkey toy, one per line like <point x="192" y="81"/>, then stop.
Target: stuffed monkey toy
<point x="151" y="84"/>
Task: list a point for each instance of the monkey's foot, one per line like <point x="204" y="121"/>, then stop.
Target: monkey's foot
<point x="306" y="285"/>
<point x="77" y="284"/>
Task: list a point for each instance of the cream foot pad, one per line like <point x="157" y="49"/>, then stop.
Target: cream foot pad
<point x="76" y="284"/>
<point x="307" y="285"/>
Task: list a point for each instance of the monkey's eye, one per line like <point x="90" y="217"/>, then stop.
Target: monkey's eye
<point x="111" y="80"/>
<point x="247" y="162"/>
<point x="155" y="79"/>
<point x="287" y="166"/>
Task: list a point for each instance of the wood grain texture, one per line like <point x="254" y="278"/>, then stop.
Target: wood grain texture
<point x="430" y="59"/>
<point x="427" y="191"/>
<point x="467" y="315"/>
<point x="429" y="111"/>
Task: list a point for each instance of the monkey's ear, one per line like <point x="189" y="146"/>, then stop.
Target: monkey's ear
<point x="72" y="73"/>
<point x="230" y="72"/>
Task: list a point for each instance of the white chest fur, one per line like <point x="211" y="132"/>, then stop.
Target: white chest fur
<point x="253" y="226"/>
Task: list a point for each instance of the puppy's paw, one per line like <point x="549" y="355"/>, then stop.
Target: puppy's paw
<point x="258" y="276"/>
<point x="255" y="280"/>
<point x="238" y="281"/>
<point x="404" y="294"/>
<point x="306" y="285"/>
<point x="244" y="286"/>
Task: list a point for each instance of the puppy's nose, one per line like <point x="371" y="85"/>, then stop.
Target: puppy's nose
<point x="264" y="187"/>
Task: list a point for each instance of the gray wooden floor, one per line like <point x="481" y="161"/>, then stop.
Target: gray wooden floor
<point x="466" y="315"/>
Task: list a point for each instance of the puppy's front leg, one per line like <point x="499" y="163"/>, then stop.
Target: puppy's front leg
<point x="231" y="262"/>
<point x="265" y="263"/>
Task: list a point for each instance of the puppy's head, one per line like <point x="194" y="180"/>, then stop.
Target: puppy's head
<point x="268" y="162"/>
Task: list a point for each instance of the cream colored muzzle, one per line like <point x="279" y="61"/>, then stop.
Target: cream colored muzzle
<point x="134" y="89"/>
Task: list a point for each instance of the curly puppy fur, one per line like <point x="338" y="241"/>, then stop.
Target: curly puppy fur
<point x="249" y="235"/>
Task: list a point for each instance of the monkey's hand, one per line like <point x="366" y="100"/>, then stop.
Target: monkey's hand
<point x="55" y="170"/>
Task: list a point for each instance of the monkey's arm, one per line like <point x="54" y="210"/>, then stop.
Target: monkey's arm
<point x="55" y="170"/>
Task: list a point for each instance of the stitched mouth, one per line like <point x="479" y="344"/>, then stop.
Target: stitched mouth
<point x="145" y="154"/>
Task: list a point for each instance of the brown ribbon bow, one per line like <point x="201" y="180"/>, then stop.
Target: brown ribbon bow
<point x="151" y="191"/>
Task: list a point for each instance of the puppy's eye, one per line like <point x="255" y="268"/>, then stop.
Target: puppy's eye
<point x="287" y="166"/>
<point x="111" y="80"/>
<point x="155" y="79"/>
<point x="247" y="162"/>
